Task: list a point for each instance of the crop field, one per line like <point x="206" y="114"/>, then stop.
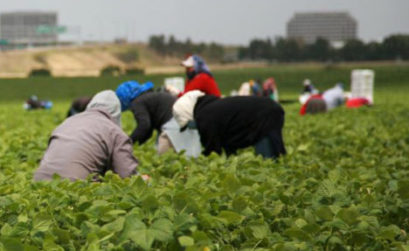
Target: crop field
<point x="344" y="184"/>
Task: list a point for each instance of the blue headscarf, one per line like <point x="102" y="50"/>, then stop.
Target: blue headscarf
<point x="129" y="90"/>
<point x="200" y="65"/>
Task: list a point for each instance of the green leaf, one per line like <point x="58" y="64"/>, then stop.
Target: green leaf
<point x="186" y="241"/>
<point x="300" y="223"/>
<point x="6" y="230"/>
<point x="393" y="185"/>
<point x="349" y="215"/>
<point x="183" y="221"/>
<point x="162" y="229"/>
<point x="239" y="204"/>
<point x="49" y="244"/>
<point x="324" y="213"/>
<point x="277" y="209"/>
<point x="144" y="238"/>
<point x="64" y="236"/>
<point x="150" y="202"/>
<point x="259" y="232"/>
<point x="403" y="189"/>
<point x="11" y="244"/>
<point x="389" y="233"/>
<point x="132" y="223"/>
<point x="22" y="218"/>
<point x="334" y="175"/>
<point x="297" y="234"/>
<point x="337" y="224"/>
<point x="231" y="217"/>
<point x="231" y="183"/>
<point x="335" y="240"/>
<point x="327" y="189"/>
<point x="114" y="226"/>
<point x="42" y="222"/>
<point x="311" y="228"/>
<point x="201" y="238"/>
<point x="303" y="147"/>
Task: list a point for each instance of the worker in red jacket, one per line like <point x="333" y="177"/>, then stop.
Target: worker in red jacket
<point x="198" y="78"/>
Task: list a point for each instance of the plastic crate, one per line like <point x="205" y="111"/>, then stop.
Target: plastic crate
<point x="362" y="84"/>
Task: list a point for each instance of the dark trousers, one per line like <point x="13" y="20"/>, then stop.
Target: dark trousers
<point x="271" y="146"/>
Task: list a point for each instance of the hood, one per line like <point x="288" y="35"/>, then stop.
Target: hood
<point x="109" y="102"/>
<point x="184" y="106"/>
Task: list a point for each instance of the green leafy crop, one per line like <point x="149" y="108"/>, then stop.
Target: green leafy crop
<point x="344" y="185"/>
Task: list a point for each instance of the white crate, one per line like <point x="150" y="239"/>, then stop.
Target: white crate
<point x="362" y="84"/>
<point x="177" y="82"/>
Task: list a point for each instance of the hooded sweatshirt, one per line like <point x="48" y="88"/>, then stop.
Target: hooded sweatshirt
<point x="91" y="142"/>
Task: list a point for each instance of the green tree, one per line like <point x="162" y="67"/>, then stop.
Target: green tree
<point x="289" y="49"/>
<point x="215" y="52"/>
<point x="320" y="50"/>
<point x="396" y="46"/>
<point x="260" y="49"/>
<point x="157" y="42"/>
<point x="374" y="51"/>
<point x="353" y="50"/>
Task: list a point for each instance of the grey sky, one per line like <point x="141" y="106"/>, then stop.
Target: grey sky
<point x="224" y="21"/>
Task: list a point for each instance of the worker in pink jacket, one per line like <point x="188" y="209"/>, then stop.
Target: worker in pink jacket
<point x="90" y="143"/>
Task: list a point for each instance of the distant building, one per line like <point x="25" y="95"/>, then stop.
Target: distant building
<point x="28" y="28"/>
<point x="336" y="27"/>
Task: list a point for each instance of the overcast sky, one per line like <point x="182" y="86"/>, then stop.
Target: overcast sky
<point x="223" y="21"/>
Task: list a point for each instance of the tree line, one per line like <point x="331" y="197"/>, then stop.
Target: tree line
<point x="394" y="47"/>
<point x="170" y="46"/>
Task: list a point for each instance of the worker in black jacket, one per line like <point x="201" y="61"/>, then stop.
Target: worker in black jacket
<point x="153" y="111"/>
<point x="232" y="123"/>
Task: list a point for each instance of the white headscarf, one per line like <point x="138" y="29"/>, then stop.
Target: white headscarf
<point x="109" y="102"/>
<point x="184" y="106"/>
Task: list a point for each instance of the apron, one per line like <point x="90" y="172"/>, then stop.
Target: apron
<point x="188" y="140"/>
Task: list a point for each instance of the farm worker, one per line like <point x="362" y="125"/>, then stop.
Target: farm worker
<point x="198" y="78"/>
<point x="33" y="103"/>
<point x="309" y="87"/>
<point x="307" y="91"/>
<point x="334" y="97"/>
<point x="153" y="111"/>
<point x="270" y="89"/>
<point x="232" y="123"/>
<point x="314" y="104"/>
<point x="256" y="89"/>
<point x="251" y="88"/>
<point x="245" y="89"/>
<point x="78" y="105"/>
<point x="90" y="143"/>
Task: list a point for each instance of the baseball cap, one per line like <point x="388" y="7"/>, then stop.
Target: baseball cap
<point x="188" y="62"/>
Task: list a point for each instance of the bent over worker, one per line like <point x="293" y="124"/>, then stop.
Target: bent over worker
<point x="89" y="143"/>
<point x="153" y="111"/>
<point x="234" y="122"/>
